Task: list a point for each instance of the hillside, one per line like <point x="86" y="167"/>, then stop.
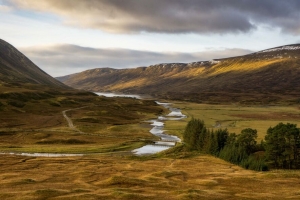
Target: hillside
<point x="25" y="88"/>
<point x="16" y="68"/>
<point x="265" y="76"/>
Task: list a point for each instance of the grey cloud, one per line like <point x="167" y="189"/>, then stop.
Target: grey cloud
<point x="67" y="59"/>
<point x="172" y="16"/>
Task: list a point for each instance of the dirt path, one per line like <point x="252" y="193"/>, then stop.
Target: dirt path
<point x="70" y="122"/>
<point x="71" y="125"/>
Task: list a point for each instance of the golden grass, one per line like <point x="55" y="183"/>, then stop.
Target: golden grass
<point x="139" y="81"/>
<point x="119" y="177"/>
<point x="41" y="127"/>
<point x="241" y="65"/>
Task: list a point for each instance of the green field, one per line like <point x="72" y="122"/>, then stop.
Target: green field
<point x="236" y="117"/>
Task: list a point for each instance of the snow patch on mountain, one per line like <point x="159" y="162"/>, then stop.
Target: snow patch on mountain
<point x="288" y="48"/>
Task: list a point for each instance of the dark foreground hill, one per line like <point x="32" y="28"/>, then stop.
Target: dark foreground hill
<point x="16" y="68"/>
<point x="266" y="76"/>
<point x="24" y="85"/>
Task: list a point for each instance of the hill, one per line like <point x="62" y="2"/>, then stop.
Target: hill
<point x="265" y="76"/>
<point x="40" y="114"/>
<point x="28" y="95"/>
<point x="35" y="109"/>
<point x="16" y="68"/>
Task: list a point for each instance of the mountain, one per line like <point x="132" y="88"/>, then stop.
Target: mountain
<point x="23" y="85"/>
<point x="270" y="75"/>
<point x="17" y="69"/>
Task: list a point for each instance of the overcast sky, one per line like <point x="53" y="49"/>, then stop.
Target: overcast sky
<point x="69" y="36"/>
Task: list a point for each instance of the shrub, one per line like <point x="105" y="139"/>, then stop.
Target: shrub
<point x="54" y="103"/>
<point x="16" y="103"/>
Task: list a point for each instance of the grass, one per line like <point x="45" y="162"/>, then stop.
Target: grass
<point x="119" y="177"/>
<point x="236" y="117"/>
<point x="237" y="65"/>
<point x="172" y="174"/>
<point x="68" y="142"/>
<point x="109" y="124"/>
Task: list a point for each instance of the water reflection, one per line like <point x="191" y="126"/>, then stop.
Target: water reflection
<point x="118" y="95"/>
<point x="167" y="140"/>
<point x="42" y="154"/>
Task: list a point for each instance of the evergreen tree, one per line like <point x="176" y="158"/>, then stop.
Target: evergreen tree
<point x="247" y="140"/>
<point x="192" y="135"/>
<point x="283" y="145"/>
<point x="213" y="144"/>
<point x="222" y="135"/>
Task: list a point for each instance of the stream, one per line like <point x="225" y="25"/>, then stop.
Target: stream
<point x="166" y="141"/>
<point x="42" y="154"/>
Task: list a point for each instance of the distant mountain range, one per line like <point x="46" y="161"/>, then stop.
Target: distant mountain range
<point x="16" y="68"/>
<point x="265" y="76"/>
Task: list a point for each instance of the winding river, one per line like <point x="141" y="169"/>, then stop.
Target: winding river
<point x="166" y="141"/>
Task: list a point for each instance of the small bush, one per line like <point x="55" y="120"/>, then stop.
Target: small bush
<point x="88" y="119"/>
<point x="68" y="141"/>
<point x="54" y="103"/>
<point x="1" y="106"/>
<point x="16" y="103"/>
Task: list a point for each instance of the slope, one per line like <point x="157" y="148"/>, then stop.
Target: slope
<point x="269" y="75"/>
<point x="16" y="68"/>
<point x="25" y="88"/>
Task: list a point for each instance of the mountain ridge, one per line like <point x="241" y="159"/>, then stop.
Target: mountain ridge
<point x="269" y="75"/>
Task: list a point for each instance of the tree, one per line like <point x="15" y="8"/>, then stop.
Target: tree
<point x="193" y="135"/>
<point x="213" y="147"/>
<point x="222" y="135"/>
<point x="247" y="139"/>
<point x="283" y="145"/>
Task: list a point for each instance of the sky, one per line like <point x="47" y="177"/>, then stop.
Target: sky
<point x="69" y="36"/>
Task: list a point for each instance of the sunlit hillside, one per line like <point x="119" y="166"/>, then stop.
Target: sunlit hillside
<point x="269" y="75"/>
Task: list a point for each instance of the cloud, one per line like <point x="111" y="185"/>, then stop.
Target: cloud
<point x="67" y="59"/>
<point x="172" y="16"/>
<point x="5" y="8"/>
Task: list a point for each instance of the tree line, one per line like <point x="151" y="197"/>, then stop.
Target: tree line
<point x="280" y="149"/>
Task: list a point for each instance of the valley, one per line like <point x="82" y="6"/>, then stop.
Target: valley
<point x="149" y="100"/>
<point x="57" y="142"/>
<point x="108" y="170"/>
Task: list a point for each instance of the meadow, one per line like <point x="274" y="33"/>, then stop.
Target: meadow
<point x="102" y="125"/>
<point x="236" y="117"/>
<point x="107" y="129"/>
